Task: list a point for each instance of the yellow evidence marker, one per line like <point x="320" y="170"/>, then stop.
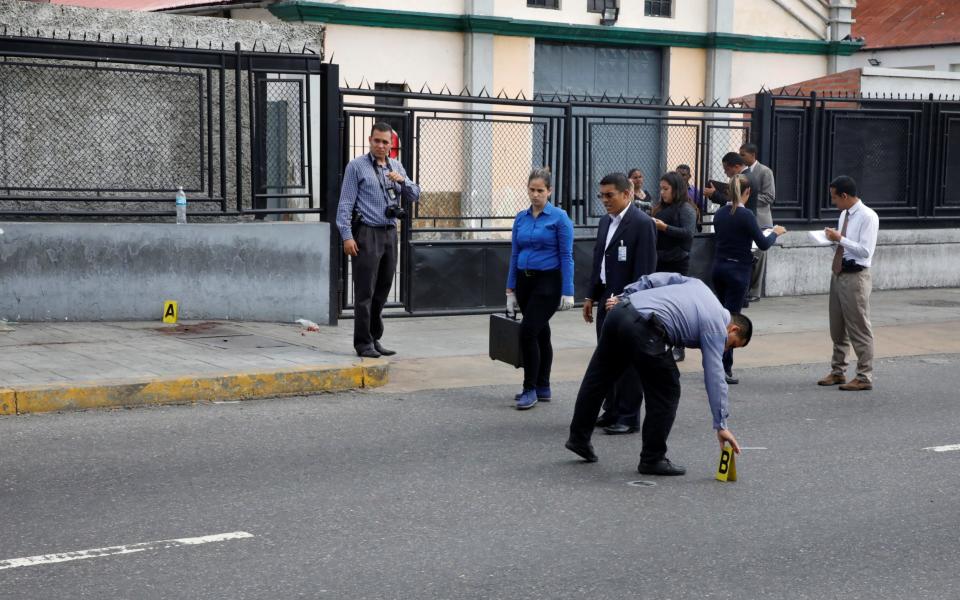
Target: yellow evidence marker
<point x="170" y="311"/>
<point x="727" y="471"/>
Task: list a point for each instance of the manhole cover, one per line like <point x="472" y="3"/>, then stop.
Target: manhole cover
<point x="642" y="483"/>
<point x="938" y="303"/>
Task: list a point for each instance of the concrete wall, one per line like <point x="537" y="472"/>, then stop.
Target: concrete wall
<point x="120" y="271"/>
<point x="753" y="70"/>
<point x="904" y="259"/>
<point x="796" y="19"/>
<point x="132" y="126"/>
<point x="879" y="80"/>
<point x="936" y="58"/>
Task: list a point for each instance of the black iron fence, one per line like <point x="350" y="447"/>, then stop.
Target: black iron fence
<point x="97" y="129"/>
<point x="471" y="156"/>
<point x="904" y="155"/>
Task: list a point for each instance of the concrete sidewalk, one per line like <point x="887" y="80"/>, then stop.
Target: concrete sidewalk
<point x="63" y="366"/>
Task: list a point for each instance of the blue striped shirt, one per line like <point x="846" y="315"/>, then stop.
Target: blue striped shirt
<point x="365" y="186"/>
<point x="693" y="318"/>
<point x="544" y="243"/>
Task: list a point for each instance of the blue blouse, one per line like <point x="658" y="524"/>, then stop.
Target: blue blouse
<point x="543" y="243"/>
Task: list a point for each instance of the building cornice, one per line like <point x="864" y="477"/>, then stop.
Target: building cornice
<point x="338" y="14"/>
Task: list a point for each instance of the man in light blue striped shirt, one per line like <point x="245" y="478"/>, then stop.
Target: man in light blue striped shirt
<point x="374" y="184"/>
<point x="652" y="315"/>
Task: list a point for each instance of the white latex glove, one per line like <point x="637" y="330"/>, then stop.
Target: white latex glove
<point x="566" y="303"/>
<point x="512" y="306"/>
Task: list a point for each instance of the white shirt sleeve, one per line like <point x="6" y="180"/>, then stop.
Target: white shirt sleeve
<point x="865" y="242"/>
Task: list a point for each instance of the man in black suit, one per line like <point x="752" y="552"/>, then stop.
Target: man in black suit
<point x="626" y="249"/>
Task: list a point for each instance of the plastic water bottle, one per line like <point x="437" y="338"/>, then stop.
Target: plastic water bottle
<point x="181" y="206"/>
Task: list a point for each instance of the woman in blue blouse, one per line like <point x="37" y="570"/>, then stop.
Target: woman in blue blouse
<point x="735" y="231"/>
<point x="540" y="282"/>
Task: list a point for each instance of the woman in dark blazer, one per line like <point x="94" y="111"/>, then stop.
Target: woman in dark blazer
<point x="735" y="231"/>
<point x="676" y="219"/>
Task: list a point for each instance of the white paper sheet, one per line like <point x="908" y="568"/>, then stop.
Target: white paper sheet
<point x="820" y="237"/>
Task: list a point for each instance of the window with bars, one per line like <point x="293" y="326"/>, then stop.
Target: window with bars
<point x="555" y="4"/>
<point x="658" y="8"/>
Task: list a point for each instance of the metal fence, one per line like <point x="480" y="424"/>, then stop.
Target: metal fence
<point x="471" y="157"/>
<point x="900" y="152"/>
<point x="96" y="129"/>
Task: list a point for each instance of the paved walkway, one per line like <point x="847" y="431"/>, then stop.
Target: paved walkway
<point x="58" y="366"/>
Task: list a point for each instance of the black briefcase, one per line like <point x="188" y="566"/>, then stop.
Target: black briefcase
<point x="505" y="340"/>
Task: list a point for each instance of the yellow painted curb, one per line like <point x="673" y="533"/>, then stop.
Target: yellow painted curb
<point x="200" y="388"/>
<point x="8" y="402"/>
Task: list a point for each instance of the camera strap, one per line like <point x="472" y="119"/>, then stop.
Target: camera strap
<point x="381" y="179"/>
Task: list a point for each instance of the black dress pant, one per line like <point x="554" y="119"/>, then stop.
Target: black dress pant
<point x="731" y="280"/>
<point x="538" y="294"/>
<point x="674" y="266"/>
<point x="624" y="400"/>
<point x="373" y="271"/>
<point x="629" y="339"/>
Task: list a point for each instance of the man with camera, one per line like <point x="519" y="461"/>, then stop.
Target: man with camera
<point x="371" y="201"/>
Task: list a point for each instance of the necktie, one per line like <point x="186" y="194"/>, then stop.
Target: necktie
<point x="838" y="255"/>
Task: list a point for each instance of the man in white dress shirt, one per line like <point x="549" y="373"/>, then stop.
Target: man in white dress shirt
<point x="850" y="286"/>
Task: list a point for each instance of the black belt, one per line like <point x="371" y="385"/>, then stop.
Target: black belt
<point x="536" y="273"/>
<point x="383" y="227"/>
<point x="654" y="323"/>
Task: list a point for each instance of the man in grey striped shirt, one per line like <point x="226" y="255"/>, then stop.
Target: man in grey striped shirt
<point x="374" y="184"/>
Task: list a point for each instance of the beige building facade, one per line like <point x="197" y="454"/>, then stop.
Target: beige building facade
<point x="706" y="49"/>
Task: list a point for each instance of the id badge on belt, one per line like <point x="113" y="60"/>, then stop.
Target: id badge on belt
<point x="621" y="252"/>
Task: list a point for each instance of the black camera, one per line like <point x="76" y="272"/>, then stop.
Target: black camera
<point x="395" y="211"/>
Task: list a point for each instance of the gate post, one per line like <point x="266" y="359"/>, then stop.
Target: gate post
<point x="761" y="127"/>
<point x="331" y="170"/>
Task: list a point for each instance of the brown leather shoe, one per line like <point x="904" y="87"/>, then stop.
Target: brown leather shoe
<point x="832" y="379"/>
<point x="856" y="385"/>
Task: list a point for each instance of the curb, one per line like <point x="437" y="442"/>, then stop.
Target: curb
<point x="189" y="389"/>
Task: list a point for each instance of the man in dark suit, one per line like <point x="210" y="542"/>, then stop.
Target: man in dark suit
<point x="626" y="249"/>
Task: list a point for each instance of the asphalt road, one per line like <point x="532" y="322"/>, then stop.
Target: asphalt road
<point x="457" y="495"/>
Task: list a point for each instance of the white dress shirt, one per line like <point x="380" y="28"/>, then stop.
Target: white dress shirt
<point x="611" y="231"/>
<point x="860" y="240"/>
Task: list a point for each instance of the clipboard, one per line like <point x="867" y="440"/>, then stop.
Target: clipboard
<point x="721" y="187"/>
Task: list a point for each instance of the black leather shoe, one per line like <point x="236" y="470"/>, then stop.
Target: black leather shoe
<point x="619" y="429"/>
<point x="663" y="467"/>
<point x="368" y="353"/>
<point x="606" y="421"/>
<point x="382" y="350"/>
<point x="730" y="379"/>
<point x="585" y="451"/>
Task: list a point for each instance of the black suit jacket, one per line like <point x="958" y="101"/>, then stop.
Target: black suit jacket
<point x="638" y="233"/>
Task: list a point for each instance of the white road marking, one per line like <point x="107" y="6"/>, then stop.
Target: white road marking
<point x="46" y="559"/>
<point x="949" y="448"/>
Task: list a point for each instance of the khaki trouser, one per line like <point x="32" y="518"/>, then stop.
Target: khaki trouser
<point x="850" y="322"/>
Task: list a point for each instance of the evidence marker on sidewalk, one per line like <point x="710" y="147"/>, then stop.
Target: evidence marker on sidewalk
<point x="170" y="311"/>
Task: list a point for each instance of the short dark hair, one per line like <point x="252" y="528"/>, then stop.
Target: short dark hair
<point x="685" y="167"/>
<point x="382" y="127"/>
<point x="635" y="170"/>
<point x="732" y="159"/>
<point x="844" y="184"/>
<point x="618" y="180"/>
<point x="749" y="148"/>
<point x="745" y="325"/>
